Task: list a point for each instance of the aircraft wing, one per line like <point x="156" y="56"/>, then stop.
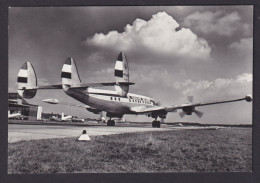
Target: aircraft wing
<point x="173" y="108"/>
<point x="144" y="109"/>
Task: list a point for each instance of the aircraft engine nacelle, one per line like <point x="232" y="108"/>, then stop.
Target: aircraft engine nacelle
<point x="162" y="114"/>
<point x="113" y="115"/>
<point x="188" y="110"/>
<point x="95" y="111"/>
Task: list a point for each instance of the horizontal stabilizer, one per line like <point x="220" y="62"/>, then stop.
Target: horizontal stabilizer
<point x="59" y="86"/>
<point x="42" y="87"/>
<point x="85" y="85"/>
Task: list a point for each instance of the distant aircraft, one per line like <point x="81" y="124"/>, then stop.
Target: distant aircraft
<point x="63" y="118"/>
<point x="75" y="119"/>
<point x="14" y="115"/>
<point x="116" y="102"/>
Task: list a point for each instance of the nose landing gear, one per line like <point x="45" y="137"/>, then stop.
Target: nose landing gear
<point x="156" y="124"/>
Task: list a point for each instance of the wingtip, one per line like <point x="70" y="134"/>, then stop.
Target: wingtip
<point x="248" y="98"/>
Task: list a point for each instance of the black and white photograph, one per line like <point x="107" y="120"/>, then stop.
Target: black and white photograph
<point x="130" y="89"/>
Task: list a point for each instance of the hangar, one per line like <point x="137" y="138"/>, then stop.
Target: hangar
<point x="18" y="104"/>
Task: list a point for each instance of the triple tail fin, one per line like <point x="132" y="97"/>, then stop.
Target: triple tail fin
<point x="27" y="81"/>
<point x="122" y="75"/>
<point x="69" y="74"/>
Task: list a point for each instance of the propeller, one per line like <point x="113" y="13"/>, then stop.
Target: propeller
<point x="190" y="99"/>
<point x="198" y="113"/>
<point x="157" y="103"/>
<point x="182" y="114"/>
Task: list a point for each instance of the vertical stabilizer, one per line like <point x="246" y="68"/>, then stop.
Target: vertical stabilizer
<point x="121" y="74"/>
<point x="69" y="74"/>
<point x="27" y="81"/>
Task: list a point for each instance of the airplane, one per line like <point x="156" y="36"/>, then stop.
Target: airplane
<point x="115" y="103"/>
<point x="76" y="119"/>
<point x="14" y="114"/>
<point x="63" y="117"/>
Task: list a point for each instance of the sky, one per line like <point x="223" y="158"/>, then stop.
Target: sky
<point x="172" y="51"/>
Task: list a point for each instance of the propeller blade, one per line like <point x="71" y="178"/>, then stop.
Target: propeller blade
<point x="182" y="114"/>
<point x="190" y="99"/>
<point x="157" y="103"/>
<point x="198" y="113"/>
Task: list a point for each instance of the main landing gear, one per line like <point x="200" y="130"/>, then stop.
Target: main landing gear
<point x="156" y="124"/>
<point x="111" y="122"/>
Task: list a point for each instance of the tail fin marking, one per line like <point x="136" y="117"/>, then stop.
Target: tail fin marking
<point x="27" y="81"/>
<point x="121" y="74"/>
<point x="69" y="74"/>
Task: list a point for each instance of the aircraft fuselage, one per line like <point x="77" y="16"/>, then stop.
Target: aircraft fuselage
<point x="109" y="100"/>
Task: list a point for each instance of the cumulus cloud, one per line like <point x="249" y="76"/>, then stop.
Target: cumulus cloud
<point x="160" y="35"/>
<point x="220" y="87"/>
<point x="242" y="51"/>
<point x="215" y="22"/>
<point x="243" y="44"/>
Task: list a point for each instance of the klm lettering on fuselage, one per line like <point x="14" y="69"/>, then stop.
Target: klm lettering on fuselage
<point x="141" y="100"/>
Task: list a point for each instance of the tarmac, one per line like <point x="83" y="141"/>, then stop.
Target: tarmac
<point x="26" y="132"/>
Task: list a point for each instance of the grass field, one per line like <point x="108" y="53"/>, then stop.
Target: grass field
<point x="222" y="150"/>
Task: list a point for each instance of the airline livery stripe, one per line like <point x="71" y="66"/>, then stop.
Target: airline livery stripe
<point x="22" y="80"/>
<point x="119" y="65"/>
<point x="118" y="73"/>
<point x="105" y="94"/>
<point x="23" y="73"/>
<point x="66" y="68"/>
<point x="66" y="75"/>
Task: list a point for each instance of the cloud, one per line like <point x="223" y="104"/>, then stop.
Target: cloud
<point x="219" y="88"/>
<point x="158" y="35"/>
<point x="215" y="22"/>
<point x="243" y="44"/>
<point x="42" y="81"/>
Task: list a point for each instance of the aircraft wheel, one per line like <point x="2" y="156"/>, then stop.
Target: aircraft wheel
<point x="109" y="123"/>
<point x="156" y="124"/>
<point x="113" y="122"/>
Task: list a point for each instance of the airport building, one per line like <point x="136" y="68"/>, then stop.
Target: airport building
<point x="28" y="111"/>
